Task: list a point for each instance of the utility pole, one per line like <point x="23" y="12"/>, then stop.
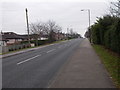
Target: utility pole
<point x="27" y="25"/>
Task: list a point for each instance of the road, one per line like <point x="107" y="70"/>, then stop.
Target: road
<point x="36" y="68"/>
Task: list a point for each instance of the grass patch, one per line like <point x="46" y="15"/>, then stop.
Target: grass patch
<point x="111" y="62"/>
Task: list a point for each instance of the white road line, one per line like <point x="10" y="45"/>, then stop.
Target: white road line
<point x="28" y="59"/>
<point x="50" y="50"/>
<point x="51" y="44"/>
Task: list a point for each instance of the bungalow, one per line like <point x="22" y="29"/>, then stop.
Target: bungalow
<point x="3" y="42"/>
<point x="12" y="37"/>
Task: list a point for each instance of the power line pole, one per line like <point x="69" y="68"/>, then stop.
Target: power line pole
<point x="27" y="25"/>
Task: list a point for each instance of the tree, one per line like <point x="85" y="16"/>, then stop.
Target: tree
<point x="115" y="8"/>
<point x="46" y="30"/>
<point x="37" y="30"/>
<point x="106" y="32"/>
<point x="52" y="26"/>
<point x="49" y="28"/>
<point x="54" y="29"/>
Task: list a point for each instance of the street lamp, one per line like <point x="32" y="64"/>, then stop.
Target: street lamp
<point x="89" y="21"/>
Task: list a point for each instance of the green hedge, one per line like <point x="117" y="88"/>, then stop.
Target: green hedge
<point x="107" y="32"/>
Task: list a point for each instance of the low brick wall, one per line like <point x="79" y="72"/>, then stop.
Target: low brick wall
<point x="3" y="49"/>
<point x="9" y="48"/>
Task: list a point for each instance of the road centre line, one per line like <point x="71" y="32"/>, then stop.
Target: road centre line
<point x="28" y="59"/>
<point x="50" y="50"/>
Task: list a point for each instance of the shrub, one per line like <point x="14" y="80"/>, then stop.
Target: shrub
<point x="39" y="42"/>
<point x="107" y="32"/>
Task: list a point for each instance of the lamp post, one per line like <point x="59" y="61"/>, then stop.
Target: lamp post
<point x="89" y="21"/>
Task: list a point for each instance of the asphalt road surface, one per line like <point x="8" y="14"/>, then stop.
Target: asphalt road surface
<point x="36" y="68"/>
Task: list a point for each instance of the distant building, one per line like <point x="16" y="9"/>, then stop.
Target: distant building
<point x="59" y="36"/>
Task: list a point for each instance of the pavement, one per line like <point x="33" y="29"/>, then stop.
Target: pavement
<point x="83" y="70"/>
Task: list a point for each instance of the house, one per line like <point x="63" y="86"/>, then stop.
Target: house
<point x="62" y="36"/>
<point x="3" y="41"/>
<point x="35" y="36"/>
<point x="12" y="38"/>
<point x="59" y="36"/>
<point x="44" y="37"/>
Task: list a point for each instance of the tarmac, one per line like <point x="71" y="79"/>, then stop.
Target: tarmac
<point x="83" y="70"/>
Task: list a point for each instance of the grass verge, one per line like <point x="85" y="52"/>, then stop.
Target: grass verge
<point x="111" y="62"/>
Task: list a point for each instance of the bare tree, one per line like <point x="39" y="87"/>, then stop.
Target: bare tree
<point x="49" y="28"/>
<point x="54" y="29"/>
<point x="37" y="30"/>
<point x="115" y="8"/>
<point x="51" y="25"/>
<point x="45" y="30"/>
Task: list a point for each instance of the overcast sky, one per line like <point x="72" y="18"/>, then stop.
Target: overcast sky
<point x="66" y="13"/>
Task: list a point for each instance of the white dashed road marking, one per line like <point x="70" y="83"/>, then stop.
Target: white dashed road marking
<point x="50" y="50"/>
<point x="28" y="59"/>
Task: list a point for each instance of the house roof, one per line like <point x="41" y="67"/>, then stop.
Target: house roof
<point x="11" y="35"/>
<point x="26" y="36"/>
<point x="2" y="38"/>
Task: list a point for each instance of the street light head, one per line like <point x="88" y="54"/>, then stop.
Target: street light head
<point x="82" y="10"/>
<point x="85" y="9"/>
<point x="26" y="9"/>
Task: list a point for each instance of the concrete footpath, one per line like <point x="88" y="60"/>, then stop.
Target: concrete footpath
<point x="83" y="70"/>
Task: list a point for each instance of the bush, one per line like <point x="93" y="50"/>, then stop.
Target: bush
<point x="24" y="42"/>
<point x="107" y="32"/>
<point x="39" y="42"/>
<point x="107" y="37"/>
